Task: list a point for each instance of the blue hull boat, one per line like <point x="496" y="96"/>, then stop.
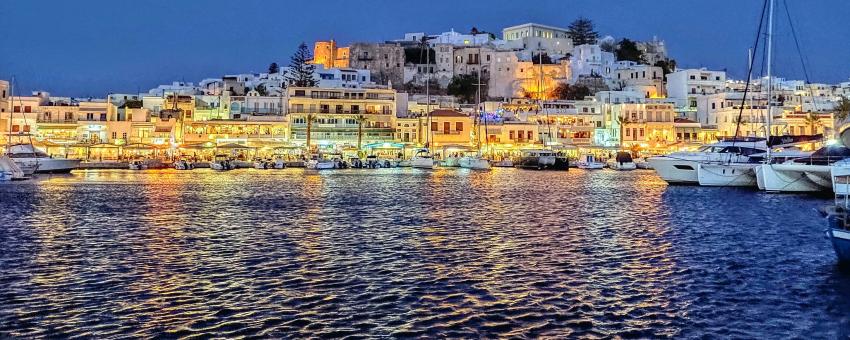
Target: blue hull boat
<point x="841" y="242"/>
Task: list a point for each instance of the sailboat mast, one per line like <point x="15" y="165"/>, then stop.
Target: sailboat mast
<point x="427" y="94"/>
<point x="769" y="74"/>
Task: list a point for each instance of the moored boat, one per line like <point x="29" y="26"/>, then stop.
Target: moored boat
<point x="589" y="162"/>
<point x="681" y="167"/>
<point x="422" y="160"/>
<point x="27" y="156"/>
<point x="622" y="161"/>
<point x="541" y="160"/>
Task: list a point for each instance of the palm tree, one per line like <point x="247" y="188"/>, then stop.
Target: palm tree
<point x="842" y="109"/>
<point x="622" y="120"/>
<point x="813" y="121"/>
<point x="310" y="118"/>
<point x="360" y="120"/>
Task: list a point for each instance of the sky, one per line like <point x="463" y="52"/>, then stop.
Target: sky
<point x="95" y="47"/>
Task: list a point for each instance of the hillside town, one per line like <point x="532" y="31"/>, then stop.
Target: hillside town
<point x="529" y="86"/>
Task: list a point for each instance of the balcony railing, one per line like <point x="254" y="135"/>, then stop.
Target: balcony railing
<point x="55" y="120"/>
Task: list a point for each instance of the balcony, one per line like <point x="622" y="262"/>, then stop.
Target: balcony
<point x="48" y="120"/>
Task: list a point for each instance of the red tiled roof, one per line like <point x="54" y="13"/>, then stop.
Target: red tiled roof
<point x="447" y="113"/>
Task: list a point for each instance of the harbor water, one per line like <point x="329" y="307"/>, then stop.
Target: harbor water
<point x="406" y="253"/>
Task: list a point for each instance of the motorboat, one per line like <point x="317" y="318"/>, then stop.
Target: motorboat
<point x="263" y="164"/>
<point x="10" y="171"/>
<point x="589" y="162"/>
<point x="27" y="156"/>
<point x="541" y="160"/>
<point x="474" y="162"/>
<point x="837" y="216"/>
<point x="222" y="163"/>
<point x="183" y="164"/>
<point x="806" y="174"/>
<point x="622" y="161"/>
<point x="320" y="163"/>
<point x="422" y="160"/>
<point x="504" y="163"/>
<point x="138" y="165"/>
<point x="743" y="174"/>
<point x="278" y="163"/>
<point x="642" y="164"/>
<point x="450" y="162"/>
<point x="682" y="167"/>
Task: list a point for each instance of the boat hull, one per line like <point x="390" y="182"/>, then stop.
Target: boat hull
<point x="793" y="177"/>
<point x="422" y="163"/>
<point x="49" y="165"/>
<point x="474" y="163"/>
<point x="543" y="163"/>
<point x="591" y="166"/>
<point x="625" y="166"/>
<point x="841" y="243"/>
<point x="727" y="175"/>
<point x="675" y="171"/>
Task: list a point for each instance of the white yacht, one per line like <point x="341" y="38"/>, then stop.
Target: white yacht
<point x="422" y="160"/>
<point x="27" y="156"/>
<point x="806" y="174"/>
<point x="474" y="162"/>
<point x="320" y="163"/>
<point x="682" y="167"/>
<point x="222" y="163"/>
<point x="589" y="162"/>
<point x="623" y="162"/>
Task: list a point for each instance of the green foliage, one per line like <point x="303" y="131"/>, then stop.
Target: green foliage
<point x="566" y="92"/>
<point x="842" y="109"/>
<point x="417" y="55"/>
<point x="581" y="32"/>
<point x="667" y="66"/>
<point x="628" y="50"/>
<point x="274" y="68"/>
<point x="544" y="59"/>
<point x="465" y="88"/>
<point x="301" y="71"/>
<point x="261" y="89"/>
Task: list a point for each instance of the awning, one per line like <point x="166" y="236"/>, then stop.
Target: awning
<point x="233" y="146"/>
<point x="141" y="146"/>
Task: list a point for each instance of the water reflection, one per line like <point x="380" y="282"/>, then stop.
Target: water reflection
<point x="405" y="252"/>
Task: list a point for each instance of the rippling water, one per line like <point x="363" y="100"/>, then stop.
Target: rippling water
<point x="406" y="253"/>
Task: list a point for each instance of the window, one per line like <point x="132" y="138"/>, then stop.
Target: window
<point x="124" y="136"/>
<point x="511" y="134"/>
<point x="16" y="109"/>
<point x="434" y="126"/>
<point x="459" y="126"/>
<point x="27" y="109"/>
<point x="114" y="135"/>
<point x="446" y="127"/>
<point x="103" y="117"/>
<point x="641" y="132"/>
<point x="628" y="134"/>
<point x="529" y="134"/>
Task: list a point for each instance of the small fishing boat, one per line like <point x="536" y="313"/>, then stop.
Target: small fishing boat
<point x="589" y="162"/>
<point x="138" y="164"/>
<point x="622" y="161"/>
<point x="541" y="160"/>
<point x="319" y="162"/>
<point x="183" y="164"/>
<point x="222" y="163"/>
<point x="422" y="160"/>
<point x="474" y="162"/>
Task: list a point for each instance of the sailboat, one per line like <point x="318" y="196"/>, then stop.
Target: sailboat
<point x="542" y="159"/>
<point x="743" y="172"/>
<point x="477" y="161"/>
<point x="423" y="159"/>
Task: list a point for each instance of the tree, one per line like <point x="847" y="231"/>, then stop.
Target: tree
<point x="628" y="50"/>
<point x="813" y="121"/>
<point x="538" y="59"/>
<point x="581" y="32"/>
<point x="261" y="90"/>
<point x="622" y="121"/>
<point x="273" y="68"/>
<point x="360" y="120"/>
<point x="301" y="71"/>
<point x="608" y="46"/>
<point x="564" y="91"/>
<point x="463" y="86"/>
<point x="667" y="66"/>
<point x="842" y="109"/>
<point x="309" y="118"/>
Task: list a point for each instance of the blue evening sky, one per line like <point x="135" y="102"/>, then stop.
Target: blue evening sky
<point x="93" y="47"/>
